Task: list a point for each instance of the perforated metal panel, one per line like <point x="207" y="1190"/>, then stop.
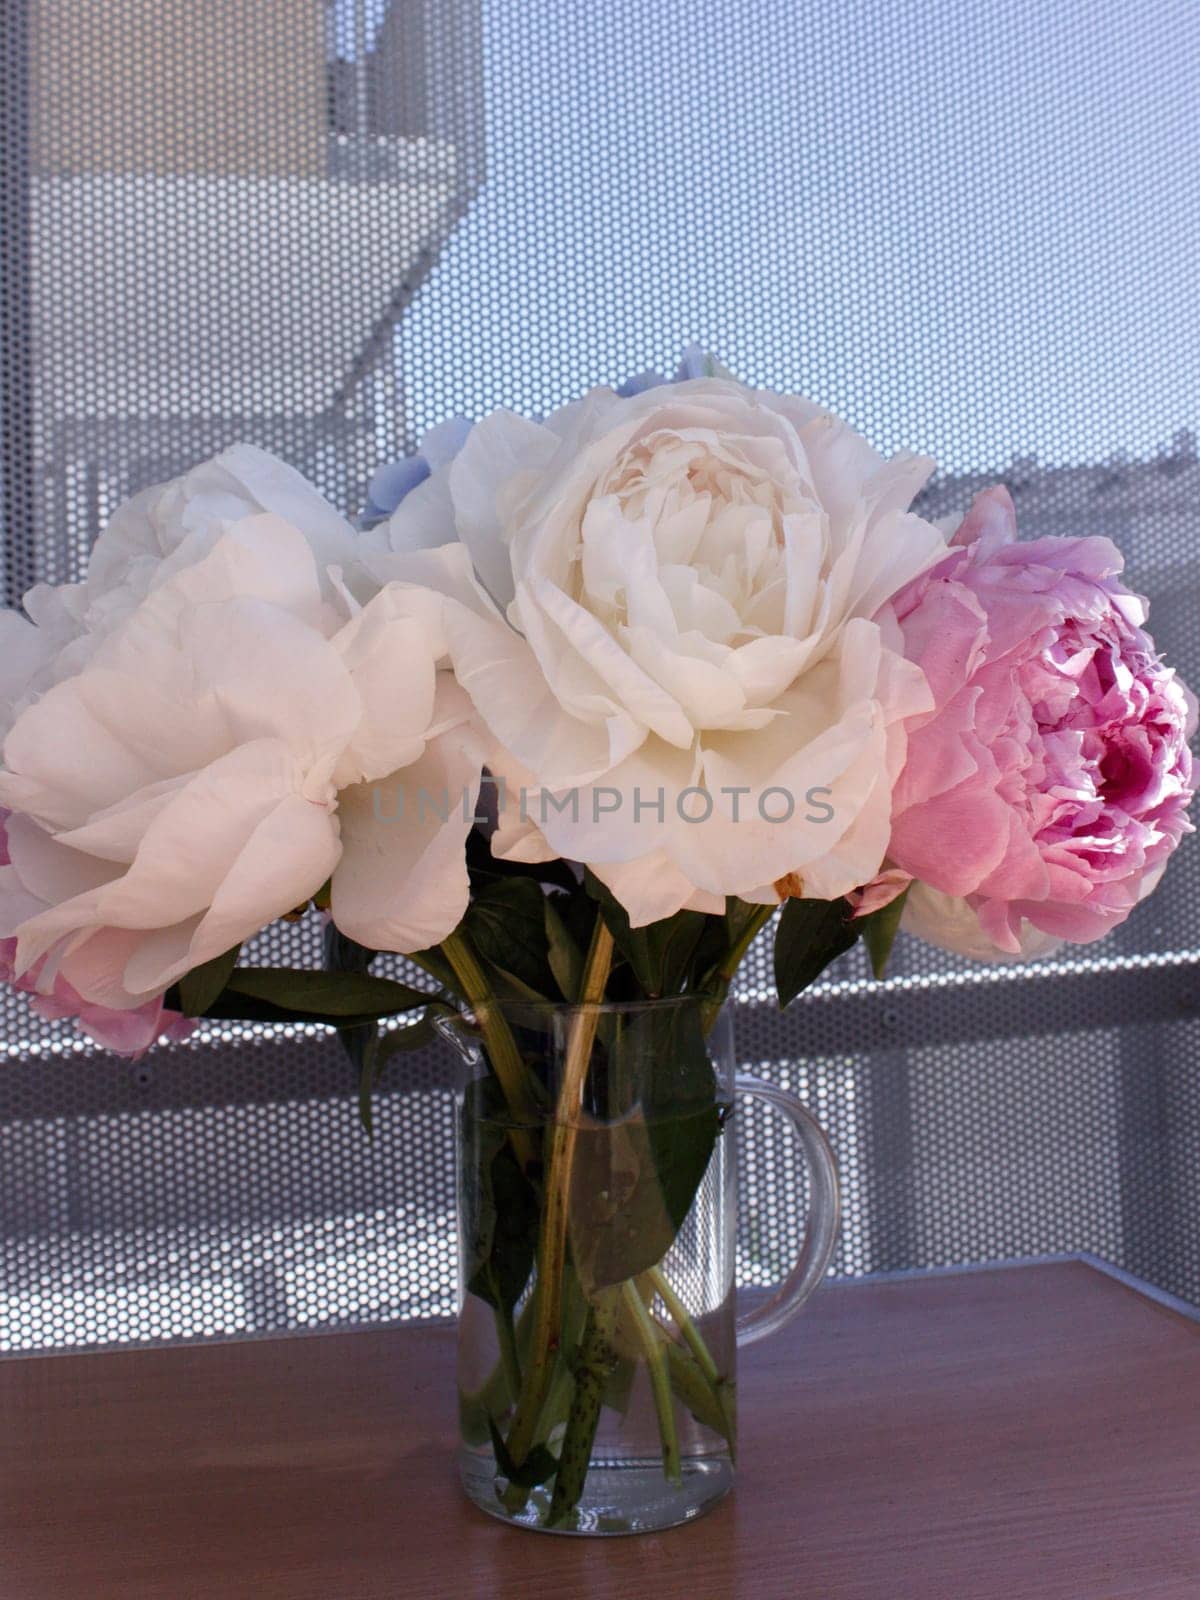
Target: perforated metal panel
<point x="969" y="229"/>
<point x="214" y="216"/>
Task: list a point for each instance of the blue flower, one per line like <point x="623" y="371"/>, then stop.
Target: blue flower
<point x="639" y="384"/>
<point x="391" y="483"/>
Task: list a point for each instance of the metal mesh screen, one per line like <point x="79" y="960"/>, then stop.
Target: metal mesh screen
<point x="968" y="229"/>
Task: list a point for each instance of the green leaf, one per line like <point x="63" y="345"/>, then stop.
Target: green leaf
<point x="672" y="1038"/>
<point x="506" y="923"/>
<point x="377" y="1050"/>
<point x="416" y="1035"/>
<point x="810" y="934"/>
<point x="714" y="944"/>
<point x="499" y="1209"/>
<point x="201" y="986"/>
<point x="343" y="954"/>
<point x="435" y="963"/>
<point x="578" y="912"/>
<point x="232" y="1007"/>
<point x="739" y="914"/>
<point x="366" y="1079"/>
<point x="485" y="868"/>
<point x="661" y="952"/>
<point x="538" y="1466"/>
<point x="879" y="931"/>
<point x="637" y="1170"/>
<point x="326" y="995"/>
<point x="564" y="955"/>
<point x="633" y="1183"/>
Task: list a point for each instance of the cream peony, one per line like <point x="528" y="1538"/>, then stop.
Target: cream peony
<point x="220" y="754"/>
<point x="669" y="635"/>
<point x="155" y="534"/>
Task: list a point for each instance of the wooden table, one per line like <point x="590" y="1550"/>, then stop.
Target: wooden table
<point x="1023" y="1432"/>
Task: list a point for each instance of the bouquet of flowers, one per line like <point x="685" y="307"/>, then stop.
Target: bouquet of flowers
<point x="568" y="717"/>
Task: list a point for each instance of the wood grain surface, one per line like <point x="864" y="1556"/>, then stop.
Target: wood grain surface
<point x="1026" y="1432"/>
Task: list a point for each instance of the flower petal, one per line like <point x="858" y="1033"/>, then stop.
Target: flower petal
<point x="402" y="881"/>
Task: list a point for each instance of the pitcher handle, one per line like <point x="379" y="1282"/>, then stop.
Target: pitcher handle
<point x="824" y="1214"/>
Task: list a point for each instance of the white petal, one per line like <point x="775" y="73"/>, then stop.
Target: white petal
<point x="516" y="836"/>
<point x="268" y="675"/>
<point x="107" y="966"/>
<point x="857" y="852"/>
<point x="627" y="815"/>
<point x="694" y="606"/>
<point x="571" y="636"/>
<point x="949" y="923"/>
<point x="487" y="477"/>
<point x="17" y="905"/>
<point x="712" y="905"/>
<point x="193" y="847"/>
<point x="260" y="557"/>
<point x="95" y="966"/>
<point x="115" y="833"/>
<point x="49" y="869"/>
<point x="402" y="881"/>
<point x="500" y="673"/>
<point x="390" y="656"/>
<point x="649" y="889"/>
<point x="446" y="572"/>
<point x="282" y="863"/>
<point x="900" y="548"/>
<point x="709" y="695"/>
<point x="766" y="667"/>
<point x="64" y="762"/>
<point x="267" y="483"/>
<point x="806" y="553"/>
<point x="796" y="816"/>
<point x="193" y="510"/>
<point x="424" y="520"/>
<point x="25" y="652"/>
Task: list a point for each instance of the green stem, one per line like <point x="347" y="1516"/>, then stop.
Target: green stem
<point x="506" y="1339"/>
<point x="732" y="961"/>
<point x="714" y="1408"/>
<point x="562" y="1381"/>
<point x="655" y="1353"/>
<point x="597" y="1358"/>
<point x="720" y="1388"/>
<point x="502" y="1050"/>
<point x="689" y="1330"/>
<point x="497" y="1394"/>
<point x="552" y="1240"/>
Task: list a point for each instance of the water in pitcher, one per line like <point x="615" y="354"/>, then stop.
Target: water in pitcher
<point x="679" y="1330"/>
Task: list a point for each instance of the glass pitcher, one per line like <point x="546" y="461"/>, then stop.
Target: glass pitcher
<point x="597" y="1191"/>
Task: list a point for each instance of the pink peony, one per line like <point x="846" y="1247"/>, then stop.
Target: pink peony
<point x="1051" y="782"/>
<point x="128" y="1033"/>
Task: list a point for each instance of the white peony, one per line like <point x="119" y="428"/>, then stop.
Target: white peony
<point x="156" y="533"/>
<point x="673" y="598"/>
<point x="222" y="752"/>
